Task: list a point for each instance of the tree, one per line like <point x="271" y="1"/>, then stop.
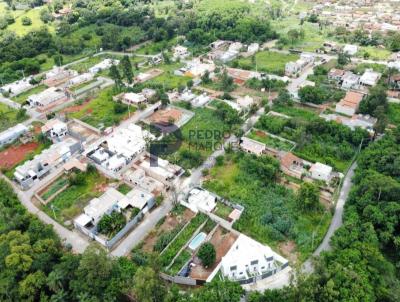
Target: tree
<point x="219" y="291"/>
<point x="226" y="82"/>
<point x="205" y="78"/>
<point x="343" y="58"/>
<point x="26" y="21"/>
<point x="377" y="97"/>
<point x="21" y="114"/>
<point x="147" y="287"/>
<point x="58" y="59"/>
<point x="311" y="94"/>
<point x="207" y="254"/>
<point x="115" y="75"/>
<point x="308" y="196"/>
<point x="127" y="68"/>
<point x="284" y="98"/>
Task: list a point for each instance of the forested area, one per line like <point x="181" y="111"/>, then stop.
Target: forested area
<point x="36" y="266"/>
<point x="364" y="262"/>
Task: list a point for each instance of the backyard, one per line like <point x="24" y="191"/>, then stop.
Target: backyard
<point x="266" y="61"/>
<point x="22" y="98"/>
<point x="271" y="215"/>
<point x="69" y="203"/>
<point x="393" y="114"/>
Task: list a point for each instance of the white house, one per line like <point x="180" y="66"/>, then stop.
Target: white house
<point x="201" y="100"/>
<point x="293" y="68"/>
<point x="132" y="98"/>
<point x="180" y="52"/>
<point x="105" y="64"/>
<point x="11" y="134"/>
<point x="321" y="172"/>
<point x="55" y="128"/>
<point x="58" y="75"/>
<point x="97" y="207"/>
<point x="137" y="198"/>
<point x="245" y="102"/>
<point x="252" y="146"/>
<point x="200" y="200"/>
<point x="47" y="98"/>
<point x="17" y="87"/>
<point x="349" y="49"/>
<point x="350" y="80"/>
<point x="248" y="259"/>
<point x="82" y="78"/>
<point x="253" y="48"/>
<point x="370" y="78"/>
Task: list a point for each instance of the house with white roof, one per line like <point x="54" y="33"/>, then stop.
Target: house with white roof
<point x="196" y="68"/>
<point x="201" y="100"/>
<point x="132" y="98"/>
<point x="320" y="171"/>
<point x="55" y="128"/>
<point x="18" y="87"/>
<point x="350" y="80"/>
<point x="11" y="134"/>
<point x="103" y="65"/>
<point x="252" y="146"/>
<point x="350" y="49"/>
<point x="293" y="68"/>
<point x="139" y="178"/>
<point x="245" y="102"/>
<point x="370" y="78"/>
<point x="47" y="98"/>
<point x="136" y="198"/>
<point x="200" y="200"/>
<point x="82" y="78"/>
<point x="180" y="52"/>
<point x="97" y="207"/>
<point x="42" y="163"/>
<point x="58" y="75"/>
<point x="253" y="48"/>
<point x="248" y="260"/>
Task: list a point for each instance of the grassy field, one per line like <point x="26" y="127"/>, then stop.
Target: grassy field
<point x="223" y="210"/>
<point x="294" y="111"/>
<point x="33" y="14"/>
<point x="21" y="98"/>
<point x="267" y="61"/>
<point x="70" y="202"/>
<point x="375" y="53"/>
<point x="270" y="214"/>
<point x="9" y="117"/>
<point x="54" y="187"/>
<point x="168" y="78"/>
<point x="393" y="114"/>
<point x="203" y="120"/>
<point x="100" y="111"/>
<point x="270" y="141"/>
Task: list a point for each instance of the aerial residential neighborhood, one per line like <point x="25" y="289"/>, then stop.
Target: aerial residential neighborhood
<point x="199" y="150"/>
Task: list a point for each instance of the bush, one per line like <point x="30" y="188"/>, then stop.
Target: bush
<point x="110" y="224"/>
<point x="26" y="21"/>
<point x="207" y="254"/>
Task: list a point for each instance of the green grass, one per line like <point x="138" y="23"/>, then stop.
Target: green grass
<point x="21" y="98"/>
<point x="124" y="188"/>
<point x="182" y="239"/>
<point x="222" y="210"/>
<point x="294" y="111"/>
<point x="269" y="210"/>
<point x="360" y="69"/>
<point x="54" y="187"/>
<point x="156" y="47"/>
<point x="193" y="137"/>
<point x="375" y="53"/>
<point x="81" y="85"/>
<point x="8" y="117"/>
<point x="267" y="61"/>
<point x="100" y="111"/>
<point x="270" y="141"/>
<point x="34" y="15"/>
<point x="393" y="114"/>
<point x="179" y="262"/>
<point x="70" y="202"/>
<point x="168" y="78"/>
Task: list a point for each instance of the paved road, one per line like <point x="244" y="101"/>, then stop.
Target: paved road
<point x="78" y="243"/>
<point x="337" y="219"/>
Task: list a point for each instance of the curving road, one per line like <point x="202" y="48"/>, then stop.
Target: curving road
<point x="337" y="219"/>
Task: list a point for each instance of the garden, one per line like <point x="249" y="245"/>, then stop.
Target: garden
<point x="271" y="214"/>
<point x="393" y="113"/>
<point x="82" y="187"/>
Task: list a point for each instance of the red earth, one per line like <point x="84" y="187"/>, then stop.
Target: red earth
<point x="15" y="154"/>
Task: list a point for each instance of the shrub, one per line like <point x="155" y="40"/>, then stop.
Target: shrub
<point x="207" y="254"/>
<point x="26" y="21"/>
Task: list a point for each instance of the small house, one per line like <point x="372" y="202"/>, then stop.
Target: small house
<point x="350" y="103"/>
<point x="321" y="172"/>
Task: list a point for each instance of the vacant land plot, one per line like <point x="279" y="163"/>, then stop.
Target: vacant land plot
<point x="271" y="215"/>
<point x="70" y="202"/>
<point x="267" y="61"/>
<point x="22" y="98"/>
<point x="53" y="188"/>
<point x="9" y="117"/>
<point x="101" y="111"/>
<point x="270" y="141"/>
<point x="13" y="155"/>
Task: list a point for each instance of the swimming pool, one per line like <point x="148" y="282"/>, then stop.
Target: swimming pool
<point x="195" y="243"/>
